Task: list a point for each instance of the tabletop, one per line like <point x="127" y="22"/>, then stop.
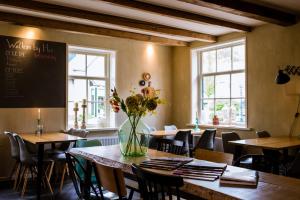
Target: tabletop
<point x="270" y="186"/>
<point x="161" y="133"/>
<point x="49" y="138"/>
<point x="275" y="143"/>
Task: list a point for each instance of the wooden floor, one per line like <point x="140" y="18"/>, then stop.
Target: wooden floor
<point x="68" y="193"/>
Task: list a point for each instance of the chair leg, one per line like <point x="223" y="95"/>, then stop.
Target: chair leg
<point x="130" y="194"/>
<point x="63" y="177"/>
<point x="25" y="181"/>
<point x="13" y="170"/>
<point x="21" y="176"/>
<point x="47" y="177"/>
<point x="17" y="174"/>
<point x="50" y="171"/>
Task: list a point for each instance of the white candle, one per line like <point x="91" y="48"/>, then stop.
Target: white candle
<point x="39" y="113"/>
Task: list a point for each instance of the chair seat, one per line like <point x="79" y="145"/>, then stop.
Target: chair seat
<point x="246" y="161"/>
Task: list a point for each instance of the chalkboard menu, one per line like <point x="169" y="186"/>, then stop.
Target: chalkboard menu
<point x="32" y="73"/>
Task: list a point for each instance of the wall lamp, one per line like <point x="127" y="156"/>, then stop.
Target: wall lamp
<point x="284" y="77"/>
<point x="284" y="74"/>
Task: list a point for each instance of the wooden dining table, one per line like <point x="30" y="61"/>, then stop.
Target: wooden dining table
<point x="164" y="133"/>
<point x="269" y="186"/>
<point x="40" y="141"/>
<point x="283" y="143"/>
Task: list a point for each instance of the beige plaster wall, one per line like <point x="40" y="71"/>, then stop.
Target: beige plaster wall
<point x="269" y="106"/>
<point x="132" y="59"/>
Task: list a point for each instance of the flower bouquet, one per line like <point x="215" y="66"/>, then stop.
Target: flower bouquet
<point x="133" y="135"/>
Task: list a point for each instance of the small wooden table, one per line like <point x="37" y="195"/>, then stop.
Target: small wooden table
<point x="270" y="186"/>
<point x="163" y="133"/>
<point x="46" y="138"/>
<point x="274" y="143"/>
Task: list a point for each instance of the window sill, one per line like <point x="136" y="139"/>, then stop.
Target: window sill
<point x="91" y="130"/>
<point x="227" y="127"/>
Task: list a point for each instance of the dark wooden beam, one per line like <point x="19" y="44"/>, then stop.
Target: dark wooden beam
<point x="178" y="14"/>
<point x="110" y="19"/>
<point x="75" y="27"/>
<point x="248" y="9"/>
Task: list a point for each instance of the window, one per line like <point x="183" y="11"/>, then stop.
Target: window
<point x="89" y="77"/>
<point x="222" y="84"/>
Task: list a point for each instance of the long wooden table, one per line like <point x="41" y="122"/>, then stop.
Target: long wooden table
<point x="270" y="186"/>
<point x="40" y="141"/>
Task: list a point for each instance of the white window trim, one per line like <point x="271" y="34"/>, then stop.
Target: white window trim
<point x="196" y="77"/>
<point x="109" y="78"/>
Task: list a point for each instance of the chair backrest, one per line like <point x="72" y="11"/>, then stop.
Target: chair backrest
<point x="171" y="146"/>
<point x="77" y="173"/>
<point x="78" y="132"/>
<point x="14" y="147"/>
<point x="214" y="156"/>
<point x="207" y="139"/>
<point x="263" y="134"/>
<point x="170" y="128"/>
<point x="229" y="136"/>
<point x="152" y="184"/>
<point x="110" y="178"/>
<point x="186" y="137"/>
<point x="25" y="156"/>
<point x="294" y="169"/>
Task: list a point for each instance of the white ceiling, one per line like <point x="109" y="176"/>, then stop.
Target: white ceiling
<point x="112" y="9"/>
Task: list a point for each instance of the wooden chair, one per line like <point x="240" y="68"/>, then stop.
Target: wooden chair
<point x="30" y="165"/>
<point x="294" y="169"/>
<point x="157" y="186"/>
<point x="170" y="128"/>
<point x="206" y="141"/>
<point x="111" y="179"/>
<point x="187" y="138"/>
<point x="171" y="146"/>
<point x="78" y="173"/>
<point x="214" y="156"/>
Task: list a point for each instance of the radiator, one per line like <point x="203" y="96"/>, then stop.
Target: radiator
<point x="106" y="141"/>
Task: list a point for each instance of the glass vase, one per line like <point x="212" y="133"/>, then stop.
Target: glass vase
<point x="134" y="139"/>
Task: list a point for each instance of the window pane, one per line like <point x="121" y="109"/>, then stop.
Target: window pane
<point x="96" y="112"/>
<point x="77" y="64"/>
<point x="209" y="61"/>
<point x="207" y="111"/>
<point x="96" y="66"/>
<point x="238" y="85"/>
<point x="71" y="114"/>
<point x="224" y="59"/>
<point x="222" y="110"/>
<point x="238" y="112"/>
<point x="223" y="86"/>
<point x="96" y="90"/>
<point x="77" y="90"/>
<point x="208" y="88"/>
<point x="238" y="57"/>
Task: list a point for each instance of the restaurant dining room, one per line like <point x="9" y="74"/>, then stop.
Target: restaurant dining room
<point x="149" y="99"/>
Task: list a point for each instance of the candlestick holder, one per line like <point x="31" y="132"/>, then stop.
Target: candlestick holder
<point x="39" y="127"/>
<point x="83" y="123"/>
<point x="76" y="118"/>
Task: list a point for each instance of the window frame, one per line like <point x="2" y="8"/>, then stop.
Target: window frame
<point x="200" y="76"/>
<point x="107" y="78"/>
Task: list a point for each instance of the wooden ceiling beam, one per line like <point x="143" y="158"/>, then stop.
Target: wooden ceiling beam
<point x="170" y="12"/>
<point x="248" y="9"/>
<point x="76" y="27"/>
<point x="109" y="19"/>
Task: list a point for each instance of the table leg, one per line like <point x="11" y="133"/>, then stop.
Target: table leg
<point x="87" y="181"/>
<point x="40" y="170"/>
